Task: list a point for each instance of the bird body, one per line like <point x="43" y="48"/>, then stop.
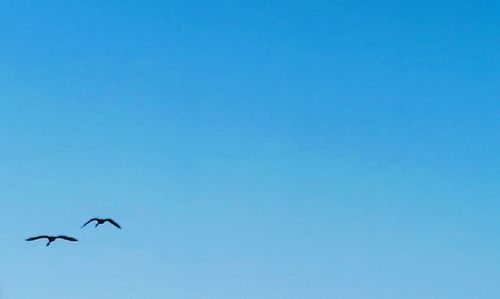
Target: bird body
<point x="52" y="238"/>
<point x="100" y="221"/>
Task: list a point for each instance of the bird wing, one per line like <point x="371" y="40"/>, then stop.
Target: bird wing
<point x="36" y="238"/>
<point x="67" y="238"/>
<point x="114" y="223"/>
<point x="93" y="219"/>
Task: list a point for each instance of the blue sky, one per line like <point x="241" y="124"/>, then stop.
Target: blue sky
<point x="258" y="149"/>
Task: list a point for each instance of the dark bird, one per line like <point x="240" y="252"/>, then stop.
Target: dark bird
<point x="52" y="238"/>
<point x="102" y="221"/>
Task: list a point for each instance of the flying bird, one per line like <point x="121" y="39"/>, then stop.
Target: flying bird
<point x="102" y="221"/>
<point x="52" y="238"/>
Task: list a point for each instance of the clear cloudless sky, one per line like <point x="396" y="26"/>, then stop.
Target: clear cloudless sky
<point x="250" y="149"/>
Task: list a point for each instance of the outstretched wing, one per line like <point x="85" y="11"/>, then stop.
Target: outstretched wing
<point x="113" y="222"/>
<point x="67" y="238"/>
<point x="93" y="219"/>
<point x="37" y="238"/>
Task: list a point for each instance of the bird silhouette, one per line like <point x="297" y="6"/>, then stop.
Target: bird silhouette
<point x="102" y="221"/>
<point x="52" y="238"/>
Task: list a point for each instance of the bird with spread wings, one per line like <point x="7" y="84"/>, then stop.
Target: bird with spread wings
<point x="102" y="221"/>
<point x="52" y="238"/>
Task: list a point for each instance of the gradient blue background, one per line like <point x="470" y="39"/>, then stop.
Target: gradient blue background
<point x="251" y="149"/>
